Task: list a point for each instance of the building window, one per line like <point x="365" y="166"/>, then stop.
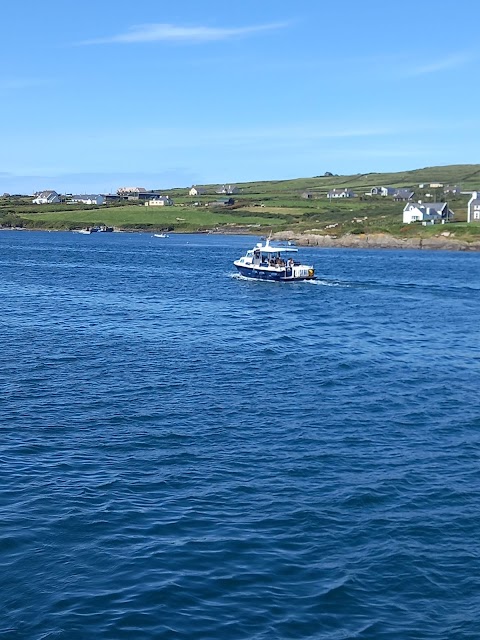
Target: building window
<point x="476" y="215"/>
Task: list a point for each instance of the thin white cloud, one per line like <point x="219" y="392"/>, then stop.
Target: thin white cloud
<point x="443" y="64"/>
<point x="173" y="33"/>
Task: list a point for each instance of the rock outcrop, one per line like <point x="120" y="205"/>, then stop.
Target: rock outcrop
<point x="377" y="241"/>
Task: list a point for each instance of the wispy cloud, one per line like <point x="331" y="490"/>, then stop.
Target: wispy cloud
<point x="443" y="64"/>
<point x="190" y="35"/>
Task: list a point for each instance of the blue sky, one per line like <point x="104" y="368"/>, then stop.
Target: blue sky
<point x="103" y="93"/>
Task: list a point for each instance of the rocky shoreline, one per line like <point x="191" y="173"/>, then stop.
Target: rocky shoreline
<point x="377" y="241"/>
<point x="346" y="241"/>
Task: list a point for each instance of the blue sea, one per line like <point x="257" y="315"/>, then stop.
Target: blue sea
<point x="188" y="455"/>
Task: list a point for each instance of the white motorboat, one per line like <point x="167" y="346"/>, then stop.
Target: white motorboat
<point x="268" y="262"/>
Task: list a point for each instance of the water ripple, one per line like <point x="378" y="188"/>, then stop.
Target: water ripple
<point x="184" y="453"/>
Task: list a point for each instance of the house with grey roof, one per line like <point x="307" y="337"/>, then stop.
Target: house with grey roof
<point x="88" y="198"/>
<point x="127" y="191"/>
<point x="427" y="213"/>
<point x="143" y="195"/>
<point x="341" y="193"/>
<point x="455" y="190"/>
<point x="473" y="210"/>
<point x="159" y="201"/>
<point x="46" y="197"/>
<point x="196" y="191"/>
<point x="227" y="189"/>
<point x="403" y="195"/>
<point x="382" y="191"/>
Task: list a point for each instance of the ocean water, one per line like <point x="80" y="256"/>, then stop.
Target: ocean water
<point x="186" y="454"/>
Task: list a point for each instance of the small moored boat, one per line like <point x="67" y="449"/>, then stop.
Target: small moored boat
<point x="97" y="229"/>
<point x="267" y="262"/>
<point x="160" y="235"/>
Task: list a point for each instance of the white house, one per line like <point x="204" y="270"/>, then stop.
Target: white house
<point x="428" y="213"/>
<point x="403" y="194"/>
<point x="227" y="189"/>
<point x="160" y="201"/>
<point x="341" y="193"/>
<point x="473" y="211"/>
<point x="196" y="191"/>
<point x="88" y="198"/>
<point x="46" y="197"/>
<point x="126" y="191"/>
<point x="454" y="190"/>
<point x="382" y="191"/>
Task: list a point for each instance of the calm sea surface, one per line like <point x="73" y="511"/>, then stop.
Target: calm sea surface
<point x="185" y="454"/>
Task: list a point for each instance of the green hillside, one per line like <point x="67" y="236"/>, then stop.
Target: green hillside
<point x="272" y="205"/>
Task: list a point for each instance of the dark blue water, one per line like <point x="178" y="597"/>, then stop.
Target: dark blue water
<point x="184" y="454"/>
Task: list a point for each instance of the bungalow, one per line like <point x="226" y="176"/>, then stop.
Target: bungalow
<point x="382" y="191"/>
<point x="341" y="193"/>
<point x="88" y="199"/>
<point x="308" y="195"/>
<point x="454" y="190"/>
<point x="227" y="189"/>
<point x="403" y="195"/>
<point x="427" y="213"/>
<point x="473" y="211"/>
<point x="159" y="201"/>
<point x="224" y="202"/>
<point x="128" y="191"/>
<point x="143" y="195"/>
<point x="196" y="191"/>
<point x="46" y="197"/>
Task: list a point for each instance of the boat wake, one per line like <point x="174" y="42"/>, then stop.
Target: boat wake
<point x="238" y="276"/>
<point x="328" y="283"/>
<point x="316" y="281"/>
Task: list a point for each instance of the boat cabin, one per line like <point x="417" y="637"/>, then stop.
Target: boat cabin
<point x="267" y="256"/>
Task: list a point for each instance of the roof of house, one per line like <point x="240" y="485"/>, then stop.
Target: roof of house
<point x="438" y="207"/>
<point x="45" y="194"/>
<point x="403" y="193"/>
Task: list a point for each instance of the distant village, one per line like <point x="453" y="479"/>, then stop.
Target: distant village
<point x="134" y="194"/>
<point x="426" y="213"/>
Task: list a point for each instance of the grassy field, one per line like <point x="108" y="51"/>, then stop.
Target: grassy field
<point x="274" y="205"/>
